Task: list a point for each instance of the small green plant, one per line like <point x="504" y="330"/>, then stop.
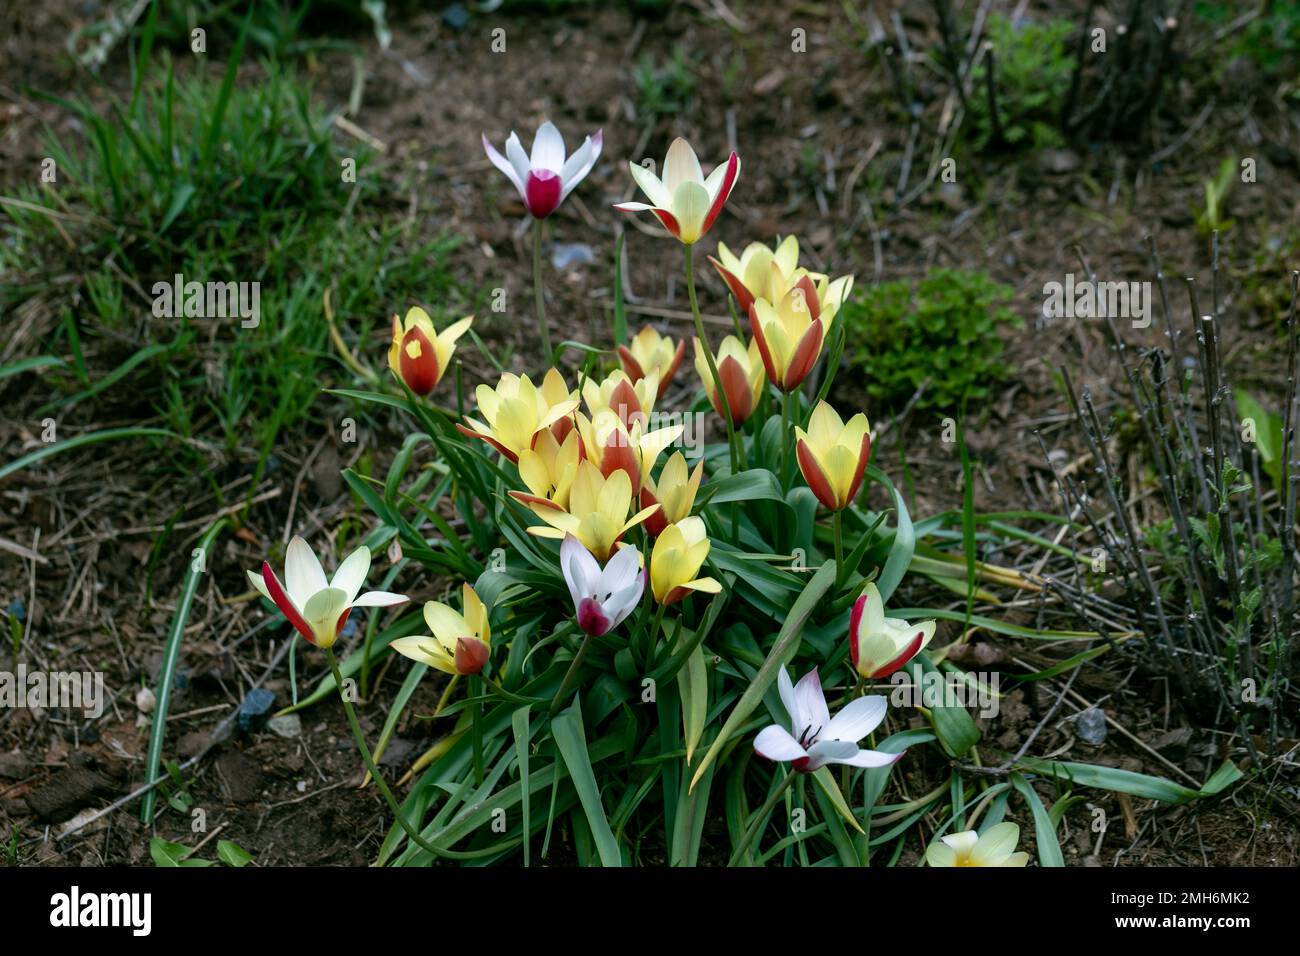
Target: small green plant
<point x="1211" y="218"/>
<point x="166" y="853"/>
<point x="942" y="330"/>
<point x="665" y="86"/>
<point x="1031" y="76"/>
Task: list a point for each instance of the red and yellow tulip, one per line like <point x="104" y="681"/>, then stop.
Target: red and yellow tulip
<point x="674" y="492"/>
<point x="789" y="334"/>
<point x="651" y="352"/>
<point x="742" y="374"/>
<point x="460" y="643"/>
<point x="763" y="273"/>
<point x="678" y="555"/>
<point x="516" y="410"/>
<point x="548" y="470"/>
<point x="612" y="445"/>
<point x="420" y="354"/>
<point x="597" y="514"/>
<point x="880" y="645"/>
<point x="833" y="455"/>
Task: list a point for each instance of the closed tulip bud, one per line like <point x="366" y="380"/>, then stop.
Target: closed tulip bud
<point x="650" y="352"/>
<point x="678" y="555"/>
<point x="880" y="645"/>
<point x="420" y="355"/>
<point x="833" y="455"/>
<point x="545" y="177"/>
<point x="674" y="492"/>
<point x="741" y="371"/>
<point x="460" y="642"/>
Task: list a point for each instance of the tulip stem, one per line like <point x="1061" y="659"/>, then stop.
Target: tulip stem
<point x="708" y="358"/>
<point x="785" y="436"/>
<point x="572" y="672"/>
<point x="380" y="782"/>
<point x="838" y="527"/>
<point x="539" y="294"/>
<point x="759" y="817"/>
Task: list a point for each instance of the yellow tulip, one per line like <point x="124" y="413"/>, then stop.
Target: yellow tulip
<point x="597" y="512"/>
<point x="420" y="354"/>
<point x="516" y="410"/>
<point x="742" y="374"/>
<point x="763" y="273"/>
<point x="789" y="334"/>
<point x="991" y="848"/>
<point x="460" y="643"/>
<point x="674" y="492"/>
<point x="652" y="352"/>
<point x="548" y="470"/>
<point x="833" y="455"/>
<point x="630" y="400"/>
<point x="612" y="446"/>
<point x="678" y="554"/>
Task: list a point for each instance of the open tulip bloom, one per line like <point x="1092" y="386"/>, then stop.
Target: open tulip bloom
<point x="880" y="645"/>
<point x="602" y="597"/>
<point x="994" y="847"/>
<point x="460" y="643"/>
<point x="684" y="201"/>
<point x="420" y="354"/>
<point x="516" y="410"/>
<point x="678" y="555"/>
<point x="815" y="737"/>
<point x="770" y="274"/>
<point x="318" y="608"/>
<point x="545" y="177"/>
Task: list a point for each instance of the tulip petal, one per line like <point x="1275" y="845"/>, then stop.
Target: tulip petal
<point x="581" y="570"/>
<point x="323" y="613"/>
<point x="303" y="574"/>
<point x="720" y="190"/>
<point x="776" y="743"/>
<point x="518" y="159"/>
<point x="681" y="165"/>
<point x="379" y="599"/>
<point x="940" y="854"/>
<point x="351" y="574"/>
<point x="281" y="599"/>
<point x="503" y="164"/>
<point x="859" y="717"/>
<point x="548" y="149"/>
<point x="994" y="844"/>
<point x="658" y="194"/>
<point x="811" y="702"/>
<point x="870" y="758"/>
<point x="816" y="478"/>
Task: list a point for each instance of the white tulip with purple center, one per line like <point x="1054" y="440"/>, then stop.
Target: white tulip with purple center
<point x="601" y="597"/>
<point x="545" y="177"/>
<point x="815" y="737"/>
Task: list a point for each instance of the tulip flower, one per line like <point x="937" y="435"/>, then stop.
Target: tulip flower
<point x="545" y="178"/>
<point x="602" y="598"/>
<point x="815" y="737"/>
<point x="741" y="371"/>
<point x="992" y="848"/>
<point x="678" y="554"/>
<point x="316" y="608"/>
<point x="763" y="273"/>
<point x="420" y="355"/>
<point x="611" y="446"/>
<point x="630" y="399"/>
<point x="652" y="352"/>
<point x="556" y="392"/>
<point x="460" y="642"/>
<point x="684" y="201"/>
<point x="516" y="410"/>
<point x="597" y="512"/>
<point x="548" y="470"/>
<point x="880" y="645"/>
<point x="674" y="492"/>
<point x="789" y="334"/>
<point x="833" y="455"/>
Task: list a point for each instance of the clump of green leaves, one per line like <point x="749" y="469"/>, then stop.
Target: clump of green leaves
<point x="942" y="330"/>
<point x="165" y="853"/>
<point x="1031" y="76"/>
<point x="1270" y="41"/>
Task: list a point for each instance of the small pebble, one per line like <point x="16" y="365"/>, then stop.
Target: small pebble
<point x="1090" y="725"/>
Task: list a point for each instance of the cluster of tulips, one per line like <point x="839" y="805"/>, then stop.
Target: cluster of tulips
<point x="588" y="466"/>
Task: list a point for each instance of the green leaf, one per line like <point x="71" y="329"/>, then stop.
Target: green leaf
<point x="1049" y="847"/>
<point x="826" y="781"/>
<point x="232" y="854"/>
<point x="171" y="652"/>
<point x="107" y="434"/>
<point x="572" y="743"/>
<point x="519" y="726"/>
<point x="693" y="683"/>
<point x="787" y="642"/>
<point x="1128" y="781"/>
<point x="953" y="724"/>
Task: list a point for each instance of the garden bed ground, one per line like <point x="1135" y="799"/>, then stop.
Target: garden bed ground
<point x="92" y="515"/>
